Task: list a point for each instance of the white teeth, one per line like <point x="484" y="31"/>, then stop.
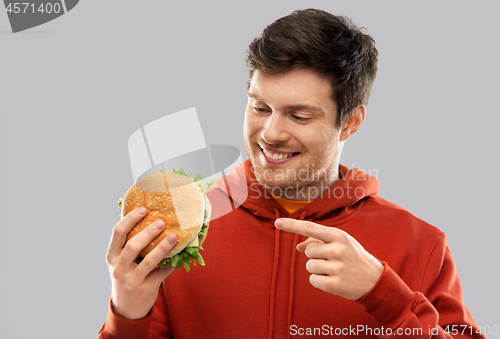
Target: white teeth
<point x="277" y="156"/>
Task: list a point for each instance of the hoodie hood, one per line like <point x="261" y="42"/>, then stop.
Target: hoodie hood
<point x="244" y="190"/>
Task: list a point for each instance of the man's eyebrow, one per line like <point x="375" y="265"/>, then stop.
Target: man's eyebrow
<point x="305" y="107"/>
<point x="291" y="107"/>
<point x="255" y="97"/>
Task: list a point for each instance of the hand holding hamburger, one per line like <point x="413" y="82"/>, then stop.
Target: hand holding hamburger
<point x="131" y="258"/>
<point x="181" y="203"/>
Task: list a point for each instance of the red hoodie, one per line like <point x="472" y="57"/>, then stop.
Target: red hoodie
<point x="255" y="284"/>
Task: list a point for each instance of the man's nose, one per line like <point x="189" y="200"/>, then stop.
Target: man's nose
<point x="274" y="130"/>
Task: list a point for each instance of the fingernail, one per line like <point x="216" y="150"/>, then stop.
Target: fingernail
<point x="171" y="238"/>
<point x="159" y="224"/>
<point x="279" y="223"/>
<point x="141" y="210"/>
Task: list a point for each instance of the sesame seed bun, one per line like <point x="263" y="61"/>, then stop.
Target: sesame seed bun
<point x="173" y="198"/>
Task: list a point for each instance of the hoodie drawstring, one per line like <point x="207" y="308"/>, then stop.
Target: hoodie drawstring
<point x="292" y="277"/>
<point x="274" y="277"/>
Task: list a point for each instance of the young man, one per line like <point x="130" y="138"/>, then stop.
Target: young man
<point x="311" y="249"/>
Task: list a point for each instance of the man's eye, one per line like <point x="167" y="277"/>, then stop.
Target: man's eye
<point x="299" y="118"/>
<point x="258" y="109"/>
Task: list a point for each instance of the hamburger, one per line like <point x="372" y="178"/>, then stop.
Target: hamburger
<point x="180" y="201"/>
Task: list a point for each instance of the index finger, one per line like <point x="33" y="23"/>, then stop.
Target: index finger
<point x="122" y="228"/>
<point x="306" y="228"/>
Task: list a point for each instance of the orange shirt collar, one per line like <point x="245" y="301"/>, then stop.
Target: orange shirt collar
<point x="290" y="205"/>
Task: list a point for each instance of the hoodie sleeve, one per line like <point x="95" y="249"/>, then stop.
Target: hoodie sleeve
<point x="437" y="307"/>
<point x="154" y="326"/>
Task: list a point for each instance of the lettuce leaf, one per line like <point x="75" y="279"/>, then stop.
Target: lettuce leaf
<point x="187" y="256"/>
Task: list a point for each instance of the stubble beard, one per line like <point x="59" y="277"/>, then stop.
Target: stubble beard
<point x="306" y="181"/>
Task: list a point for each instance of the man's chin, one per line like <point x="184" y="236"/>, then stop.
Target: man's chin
<point x="270" y="177"/>
<point x="277" y="185"/>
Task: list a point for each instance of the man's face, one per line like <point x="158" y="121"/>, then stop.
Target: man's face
<point x="289" y="131"/>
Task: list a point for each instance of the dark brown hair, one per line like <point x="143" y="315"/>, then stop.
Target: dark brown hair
<point x="328" y="44"/>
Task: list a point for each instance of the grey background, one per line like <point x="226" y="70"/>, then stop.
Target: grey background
<point x="73" y="90"/>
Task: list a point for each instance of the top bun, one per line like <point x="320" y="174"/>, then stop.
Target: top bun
<point x="173" y="198"/>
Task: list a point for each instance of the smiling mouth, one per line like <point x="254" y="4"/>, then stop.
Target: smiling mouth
<point x="277" y="156"/>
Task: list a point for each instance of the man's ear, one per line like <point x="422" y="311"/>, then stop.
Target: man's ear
<point x="353" y="123"/>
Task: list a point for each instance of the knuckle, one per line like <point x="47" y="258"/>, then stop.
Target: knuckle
<point x="133" y="246"/>
<point x="334" y="269"/>
<point x="151" y="229"/>
<point x="119" y="230"/>
<point x="116" y="274"/>
<point x="334" y="250"/>
<point x="142" y="239"/>
<point x="132" y="215"/>
<point x="309" y="226"/>
<point x="343" y="237"/>
<point x="109" y="257"/>
<point x="149" y="262"/>
<point x="164" y="246"/>
<point x="128" y="222"/>
<point x="332" y="284"/>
